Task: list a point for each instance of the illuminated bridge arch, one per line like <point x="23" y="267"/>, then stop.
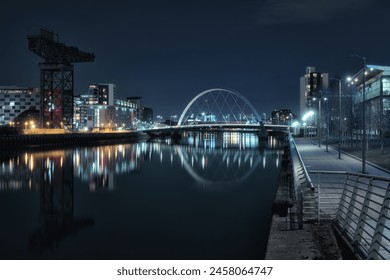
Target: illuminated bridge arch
<point x="219" y="106"/>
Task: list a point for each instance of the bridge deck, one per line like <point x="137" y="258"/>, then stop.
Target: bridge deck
<point x="249" y="126"/>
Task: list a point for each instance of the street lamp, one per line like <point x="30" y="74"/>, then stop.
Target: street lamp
<point x="339" y="81"/>
<point x="319" y="119"/>
<point x="364" y="111"/>
<point x="306" y="120"/>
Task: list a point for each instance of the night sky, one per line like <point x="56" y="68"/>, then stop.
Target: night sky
<point x="169" y="51"/>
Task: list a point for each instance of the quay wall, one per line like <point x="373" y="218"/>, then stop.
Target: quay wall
<point x="65" y="139"/>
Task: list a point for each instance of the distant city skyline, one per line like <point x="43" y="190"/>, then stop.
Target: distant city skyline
<point x="169" y="51"/>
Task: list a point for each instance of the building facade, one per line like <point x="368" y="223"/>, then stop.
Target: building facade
<point x="15" y="100"/>
<point x="147" y="115"/>
<point x="102" y="94"/>
<point x="99" y="109"/>
<point x="282" y="117"/>
<point x="312" y="84"/>
<point x="139" y="103"/>
<point x="377" y="104"/>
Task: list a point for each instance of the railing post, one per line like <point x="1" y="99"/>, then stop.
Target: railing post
<point x="373" y="251"/>
<point x="358" y="236"/>
<point x="350" y="207"/>
<point x="342" y="199"/>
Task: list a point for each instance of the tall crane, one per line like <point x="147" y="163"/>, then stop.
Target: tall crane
<point x="56" y="78"/>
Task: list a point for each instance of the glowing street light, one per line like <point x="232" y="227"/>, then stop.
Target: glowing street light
<point x="307" y="115"/>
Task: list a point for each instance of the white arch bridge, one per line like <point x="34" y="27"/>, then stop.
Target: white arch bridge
<point x="218" y="109"/>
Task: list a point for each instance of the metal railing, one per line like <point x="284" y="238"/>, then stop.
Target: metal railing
<point x="359" y="206"/>
<point x="324" y="199"/>
<point x="363" y="215"/>
<point x="301" y="180"/>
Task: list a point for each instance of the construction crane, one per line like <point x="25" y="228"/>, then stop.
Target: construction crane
<point x="56" y="78"/>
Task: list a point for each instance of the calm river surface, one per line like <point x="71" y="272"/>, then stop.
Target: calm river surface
<point x="207" y="197"/>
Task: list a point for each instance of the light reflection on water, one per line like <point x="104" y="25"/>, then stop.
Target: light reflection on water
<point x="207" y="197"/>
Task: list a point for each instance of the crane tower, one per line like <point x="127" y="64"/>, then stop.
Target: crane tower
<point x="56" y="77"/>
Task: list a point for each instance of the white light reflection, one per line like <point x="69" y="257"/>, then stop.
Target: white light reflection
<point x="77" y="160"/>
<point x="31" y="163"/>
<point x="11" y="166"/>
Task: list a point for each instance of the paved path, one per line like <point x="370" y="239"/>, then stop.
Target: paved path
<point x="316" y="158"/>
<point x="314" y="241"/>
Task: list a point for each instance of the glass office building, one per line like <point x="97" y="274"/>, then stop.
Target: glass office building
<point x="377" y="88"/>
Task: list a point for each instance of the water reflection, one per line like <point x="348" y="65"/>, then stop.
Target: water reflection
<point x="65" y="181"/>
<point x="49" y="173"/>
<point x="56" y="219"/>
<point x="205" y="156"/>
<point x="33" y="170"/>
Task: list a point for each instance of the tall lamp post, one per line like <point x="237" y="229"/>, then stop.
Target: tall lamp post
<point x="339" y="81"/>
<point x="319" y="119"/>
<point x="364" y="111"/>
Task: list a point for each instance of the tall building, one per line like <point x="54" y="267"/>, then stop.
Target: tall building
<point x="102" y="94"/>
<point x="147" y="115"/>
<point x="138" y="101"/>
<point x="377" y="88"/>
<point x="100" y="109"/>
<point x="311" y="85"/>
<point x="15" y="100"/>
<point x="143" y="115"/>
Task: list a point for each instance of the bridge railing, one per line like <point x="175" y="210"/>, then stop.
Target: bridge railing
<point x="359" y="205"/>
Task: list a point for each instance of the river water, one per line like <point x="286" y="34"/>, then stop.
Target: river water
<point x="208" y="196"/>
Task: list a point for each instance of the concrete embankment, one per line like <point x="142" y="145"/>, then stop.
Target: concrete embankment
<point x="65" y="139"/>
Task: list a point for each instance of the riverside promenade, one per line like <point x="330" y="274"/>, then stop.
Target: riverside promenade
<point x="317" y="158"/>
<point x="315" y="240"/>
